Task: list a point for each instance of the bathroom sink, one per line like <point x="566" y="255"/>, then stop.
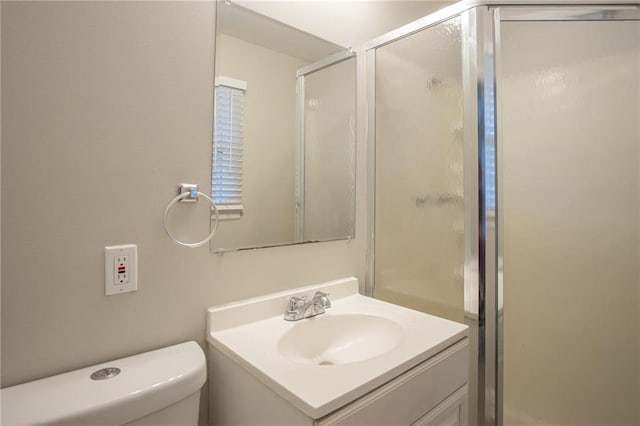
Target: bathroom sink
<point x="321" y="363"/>
<point x="339" y="339"/>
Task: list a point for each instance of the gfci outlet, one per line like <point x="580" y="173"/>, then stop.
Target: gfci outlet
<point x="120" y="269"/>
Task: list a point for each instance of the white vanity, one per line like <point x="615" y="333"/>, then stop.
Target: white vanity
<point x="362" y="362"/>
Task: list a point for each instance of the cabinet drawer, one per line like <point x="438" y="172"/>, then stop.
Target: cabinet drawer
<point x="407" y="398"/>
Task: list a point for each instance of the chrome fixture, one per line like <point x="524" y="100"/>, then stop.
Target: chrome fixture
<point x="189" y="193"/>
<point x="298" y="308"/>
<point x="105" y="373"/>
<point x="481" y="24"/>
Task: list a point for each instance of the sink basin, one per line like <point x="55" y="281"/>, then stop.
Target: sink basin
<point x="322" y="363"/>
<point x="339" y="339"/>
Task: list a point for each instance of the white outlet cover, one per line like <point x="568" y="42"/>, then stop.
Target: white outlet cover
<point x="111" y="286"/>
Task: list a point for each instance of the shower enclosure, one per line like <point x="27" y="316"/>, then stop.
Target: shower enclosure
<point x="505" y="193"/>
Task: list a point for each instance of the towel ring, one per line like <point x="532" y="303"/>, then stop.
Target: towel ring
<point x="193" y="195"/>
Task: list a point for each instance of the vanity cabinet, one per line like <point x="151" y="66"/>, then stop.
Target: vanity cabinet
<point x="432" y="393"/>
<point x="362" y="362"/>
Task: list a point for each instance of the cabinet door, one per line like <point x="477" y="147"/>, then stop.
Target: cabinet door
<point x="409" y="396"/>
<point x="451" y="412"/>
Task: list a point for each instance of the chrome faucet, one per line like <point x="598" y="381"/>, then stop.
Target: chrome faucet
<point x="298" y="307"/>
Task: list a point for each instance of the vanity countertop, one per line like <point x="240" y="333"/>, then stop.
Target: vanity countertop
<point x="252" y="333"/>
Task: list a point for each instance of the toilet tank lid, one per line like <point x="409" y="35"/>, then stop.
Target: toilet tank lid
<point x="146" y="383"/>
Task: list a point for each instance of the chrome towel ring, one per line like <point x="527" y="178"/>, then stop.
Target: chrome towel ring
<point x="190" y="193"/>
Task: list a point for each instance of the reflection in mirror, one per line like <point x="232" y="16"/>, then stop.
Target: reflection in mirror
<point x="284" y="134"/>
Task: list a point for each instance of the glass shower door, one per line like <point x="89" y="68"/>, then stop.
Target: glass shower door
<point x="420" y="232"/>
<point x="419" y="205"/>
<point x="569" y="126"/>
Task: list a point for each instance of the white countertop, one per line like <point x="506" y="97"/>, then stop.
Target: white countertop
<point x="248" y="332"/>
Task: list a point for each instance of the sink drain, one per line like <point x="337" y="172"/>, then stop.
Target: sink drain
<point x="326" y="363"/>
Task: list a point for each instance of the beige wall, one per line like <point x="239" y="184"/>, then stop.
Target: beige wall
<point x="571" y="232"/>
<point x="345" y="22"/>
<point x="269" y="141"/>
<point x="107" y="107"/>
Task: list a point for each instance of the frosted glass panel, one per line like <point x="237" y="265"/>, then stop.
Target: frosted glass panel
<point x="570" y="135"/>
<point x="419" y="178"/>
<point x="329" y="152"/>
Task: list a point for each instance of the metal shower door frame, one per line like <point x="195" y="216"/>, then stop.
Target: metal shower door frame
<point x="621" y="11"/>
<point x="477" y="66"/>
<point x="483" y="236"/>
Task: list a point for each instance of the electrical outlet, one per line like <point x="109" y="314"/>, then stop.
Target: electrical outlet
<point x="120" y="269"/>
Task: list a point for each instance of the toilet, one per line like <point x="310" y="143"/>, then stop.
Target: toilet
<point x="160" y="387"/>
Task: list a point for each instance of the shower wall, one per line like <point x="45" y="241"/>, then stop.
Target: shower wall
<point x="419" y="216"/>
<point x="570" y="134"/>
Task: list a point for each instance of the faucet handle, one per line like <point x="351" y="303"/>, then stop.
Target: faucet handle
<point x="295" y="308"/>
<point x="295" y="303"/>
<point x="323" y="299"/>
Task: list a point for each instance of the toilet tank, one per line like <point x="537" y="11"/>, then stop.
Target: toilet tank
<point x="157" y="387"/>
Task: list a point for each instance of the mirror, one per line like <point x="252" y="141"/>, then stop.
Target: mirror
<point x="284" y="134"/>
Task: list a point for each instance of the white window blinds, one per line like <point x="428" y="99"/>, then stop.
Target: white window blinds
<point x="228" y="135"/>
